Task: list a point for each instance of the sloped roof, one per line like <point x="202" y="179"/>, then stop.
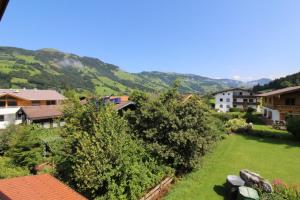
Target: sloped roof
<point x="231" y="89"/>
<point x="280" y="91"/>
<point x="124" y="104"/>
<point x="39" y="187"/>
<point x="42" y="112"/>
<point x="33" y="95"/>
<point x="5" y="111"/>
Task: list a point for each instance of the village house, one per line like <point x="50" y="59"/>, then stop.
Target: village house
<point x="30" y="106"/>
<point x="235" y="98"/>
<point x="38" y="187"/>
<point x="121" y="103"/>
<point x="279" y="104"/>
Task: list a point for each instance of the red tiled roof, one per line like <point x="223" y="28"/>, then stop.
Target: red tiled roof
<point x="39" y="187"/>
<point x="280" y="91"/>
<point x="42" y="112"/>
<point x="33" y="95"/>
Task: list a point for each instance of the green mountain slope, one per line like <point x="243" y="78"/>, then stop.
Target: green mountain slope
<point x="288" y="81"/>
<point x="50" y="68"/>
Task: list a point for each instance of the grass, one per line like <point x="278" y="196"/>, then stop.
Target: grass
<point x="270" y="157"/>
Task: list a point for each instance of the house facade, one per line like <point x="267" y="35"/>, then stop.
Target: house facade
<point x="279" y="104"/>
<point x="29" y="106"/>
<point x="235" y="98"/>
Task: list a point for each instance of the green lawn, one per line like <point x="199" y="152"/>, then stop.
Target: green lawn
<point x="272" y="158"/>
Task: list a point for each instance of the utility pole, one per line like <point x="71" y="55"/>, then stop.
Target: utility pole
<point x="3" y="5"/>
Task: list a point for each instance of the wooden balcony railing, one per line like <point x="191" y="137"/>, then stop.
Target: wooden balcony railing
<point x="246" y="103"/>
<point x="288" y="107"/>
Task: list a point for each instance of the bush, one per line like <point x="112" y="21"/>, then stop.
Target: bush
<point x="228" y="116"/>
<point x="30" y="145"/>
<point x="236" y="110"/>
<point x="101" y="160"/>
<point x="237" y="125"/>
<point x="293" y="126"/>
<point x="8" y="170"/>
<point x="252" y="117"/>
<point x="176" y="133"/>
<point x="282" y="192"/>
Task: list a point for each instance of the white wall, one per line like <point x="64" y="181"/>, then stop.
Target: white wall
<point x="225" y="105"/>
<point x="8" y="120"/>
<point x="275" y="114"/>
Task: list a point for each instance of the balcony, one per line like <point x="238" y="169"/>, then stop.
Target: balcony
<point x="244" y="96"/>
<point x="288" y="108"/>
<point x="246" y="103"/>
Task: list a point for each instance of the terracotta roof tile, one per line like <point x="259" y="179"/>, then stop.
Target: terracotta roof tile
<point x="39" y="187"/>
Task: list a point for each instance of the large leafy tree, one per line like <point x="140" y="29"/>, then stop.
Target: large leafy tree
<point x="101" y="159"/>
<point x="175" y="129"/>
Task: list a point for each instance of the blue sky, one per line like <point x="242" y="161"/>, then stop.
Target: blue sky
<point x="245" y="39"/>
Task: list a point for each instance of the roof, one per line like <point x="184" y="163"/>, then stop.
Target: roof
<point x="231" y="89"/>
<point x="124" y="104"/>
<point x="42" y="112"/>
<point x="280" y="91"/>
<point x="36" y="187"/>
<point x="33" y="95"/>
<point x="5" y="111"/>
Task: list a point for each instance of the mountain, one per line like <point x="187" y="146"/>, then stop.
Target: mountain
<point x="50" y="68"/>
<point x="288" y="81"/>
<point x="261" y="81"/>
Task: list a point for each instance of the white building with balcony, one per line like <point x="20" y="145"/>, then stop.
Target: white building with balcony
<point x="235" y="98"/>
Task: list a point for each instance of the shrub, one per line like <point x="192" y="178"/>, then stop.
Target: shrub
<point x="237" y="125"/>
<point x="236" y="110"/>
<point x="250" y="110"/>
<point x="252" y="117"/>
<point x="176" y="133"/>
<point x="30" y="145"/>
<point x="101" y="160"/>
<point x="282" y="192"/>
<point x="8" y="170"/>
<point x="293" y="126"/>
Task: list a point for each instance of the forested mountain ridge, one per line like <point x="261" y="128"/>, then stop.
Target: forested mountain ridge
<point x="288" y="81"/>
<point x="50" y="68"/>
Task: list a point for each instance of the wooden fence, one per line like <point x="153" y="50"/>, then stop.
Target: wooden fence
<point x="155" y="193"/>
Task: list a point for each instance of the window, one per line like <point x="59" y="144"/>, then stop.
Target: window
<point x="234" y="100"/>
<point x="228" y="100"/>
<point x="12" y="103"/>
<point x="227" y="106"/>
<point x="223" y="93"/>
<point x="51" y="102"/>
<point x="1" y="118"/>
<point x="245" y="100"/>
<point x="290" y="101"/>
<point x="251" y="100"/>
<point x="221" y="99"/>
<point x="251" y="93"/>
<point x="2" y="103"/>
<point x="36" y="103"/>
<point x="221" y="106"/>
<point x="241" y="93"/>
<point x="228" y="93"/>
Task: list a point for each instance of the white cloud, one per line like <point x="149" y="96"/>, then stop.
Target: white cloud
<point x="236" y="77"/>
